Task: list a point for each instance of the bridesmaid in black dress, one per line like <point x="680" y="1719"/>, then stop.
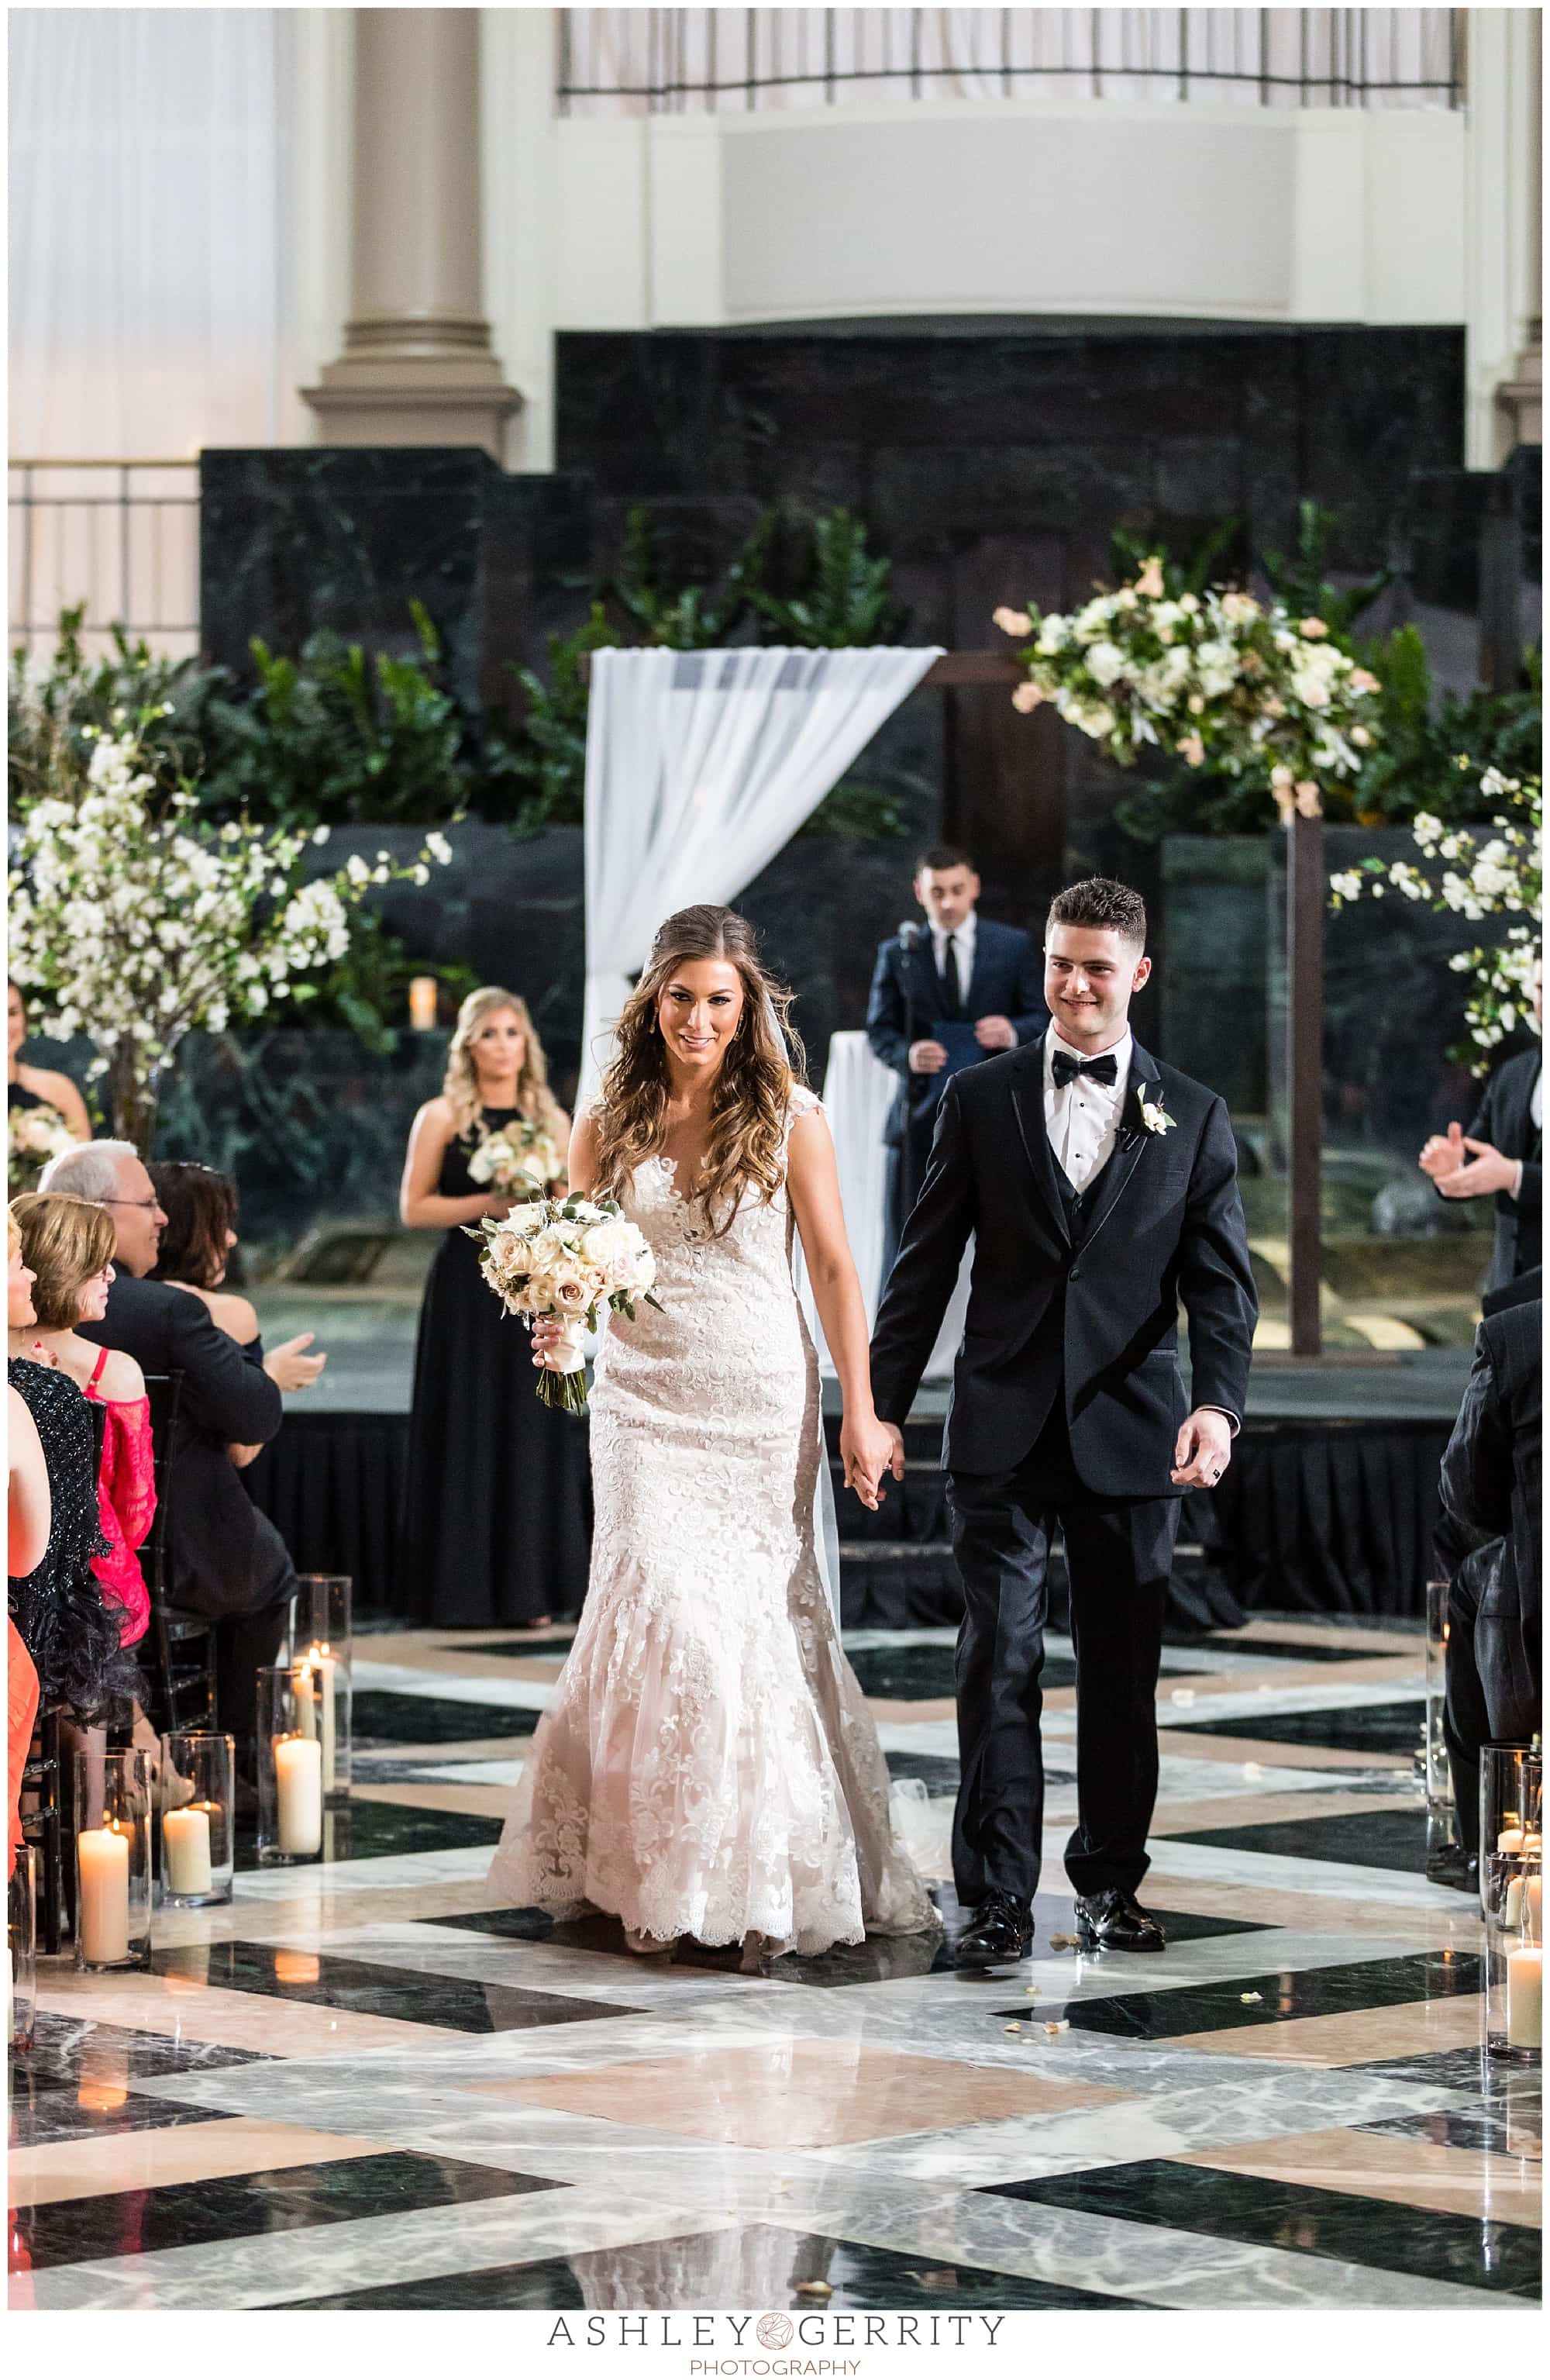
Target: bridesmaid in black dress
<point x="497" y="1520"/>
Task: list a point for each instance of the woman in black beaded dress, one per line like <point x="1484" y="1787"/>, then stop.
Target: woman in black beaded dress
<point x="497" y="1517"/>
<point x="57" y="1610"/>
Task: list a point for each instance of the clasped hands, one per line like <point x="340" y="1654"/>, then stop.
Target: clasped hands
<point x="1463" y="1168"/>
<point x="870" y="1448"/>
<point x="990" y="1032"/>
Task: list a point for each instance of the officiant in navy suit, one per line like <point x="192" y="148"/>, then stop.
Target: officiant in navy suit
<point x="944" y="995"/>
<point x="1101" y="1189"/>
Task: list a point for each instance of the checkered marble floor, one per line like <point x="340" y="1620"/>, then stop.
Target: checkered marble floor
<point x="369" y="2083"/>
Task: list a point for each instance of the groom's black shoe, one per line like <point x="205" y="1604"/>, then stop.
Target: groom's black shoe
<point x="1115" y="1921"/>
<point x="998" y="1934"/>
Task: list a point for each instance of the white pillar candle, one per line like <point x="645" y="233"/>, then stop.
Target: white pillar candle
<point x="185" y="1841"/>
<point x="1525" y="1999"/>
<point x="1510" y="1840"/>
<point x="298" y="1776"/>
<point x="103" y="1914"/>
<point x="1512" y="1908"/>
<point x="1534" y="1908"/>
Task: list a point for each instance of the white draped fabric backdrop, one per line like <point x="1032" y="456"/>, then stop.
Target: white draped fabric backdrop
<point x="701" y="767"/>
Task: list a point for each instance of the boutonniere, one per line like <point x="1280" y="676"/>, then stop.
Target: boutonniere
<point x="1154" y="1115"/>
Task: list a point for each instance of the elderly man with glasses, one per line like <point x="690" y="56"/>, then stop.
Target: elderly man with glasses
<point x="225" y="1560"/>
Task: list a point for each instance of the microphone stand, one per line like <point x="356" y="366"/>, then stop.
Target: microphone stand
<point x="909" y="935"/>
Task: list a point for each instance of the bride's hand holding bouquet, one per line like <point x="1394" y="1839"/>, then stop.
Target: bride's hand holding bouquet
<point x="558" y="1263"/>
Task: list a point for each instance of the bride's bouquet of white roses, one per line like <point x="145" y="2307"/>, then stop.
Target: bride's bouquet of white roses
<point x="566" y="1258"/>
<point x="36" y="1135"/>
<point x="520" y="1161"/>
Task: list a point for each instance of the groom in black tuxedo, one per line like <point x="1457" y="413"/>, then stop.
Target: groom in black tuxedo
<point x="1101" y="1189"/>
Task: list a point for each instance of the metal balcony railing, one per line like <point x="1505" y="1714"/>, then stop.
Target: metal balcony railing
<point x="121" y="537"/>
<point x="718" y="61"/>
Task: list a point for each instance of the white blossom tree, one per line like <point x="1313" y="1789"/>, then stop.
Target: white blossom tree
<point x="1486" y="872"/>
<point x="134" y="922"/>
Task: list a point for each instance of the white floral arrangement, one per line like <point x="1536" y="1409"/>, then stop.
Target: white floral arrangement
<point x="134" y="922"/>
<point x="1497" y="871"/>
<point x="566" y="1258"/>
<point x="36" y="1135"/>
<point x="520" y="1161"/>
<point x="1216" y="677"/>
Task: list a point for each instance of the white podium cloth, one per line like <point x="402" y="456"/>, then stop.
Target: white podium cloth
<point x="701" y="767"/>
<point x="857" y="1093"/>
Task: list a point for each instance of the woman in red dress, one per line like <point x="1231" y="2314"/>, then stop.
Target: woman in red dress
<point x="68" y="1245"/>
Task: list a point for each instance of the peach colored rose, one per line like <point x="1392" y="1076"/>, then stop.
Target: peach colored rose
<point x="1311" y="626"/>
<point x="1011" y="623"/>
<point x="1194" y="750"/>
<point x="1150" y="582"/>
<point x="1027" y="697"/>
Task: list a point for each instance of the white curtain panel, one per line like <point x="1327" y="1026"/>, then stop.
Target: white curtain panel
<point x="701" y="767"/>
<point x="736" y="61"/>
<point x="857" y="1093"/>
<point x="150" y="307"/>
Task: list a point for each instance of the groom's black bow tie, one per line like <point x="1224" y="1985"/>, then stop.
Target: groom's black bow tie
<point x="1066" y="1070"/>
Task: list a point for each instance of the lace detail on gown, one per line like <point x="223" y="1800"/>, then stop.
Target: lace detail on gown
<point x="708" y="1764"/>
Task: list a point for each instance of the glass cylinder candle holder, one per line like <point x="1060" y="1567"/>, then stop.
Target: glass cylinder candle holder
<point x="1511" y="1828"/>
<point x="1514" y="1988"/>
<point x="114" y="1858"/>
<point x="1439" y="1776"/>
<point x="321" y="1641"/>
<point x="197" y="1806"/>
<point x="21" y="1932"/>
<point x="290" y="1751"/>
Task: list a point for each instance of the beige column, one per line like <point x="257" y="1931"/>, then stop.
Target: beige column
<point x="1502" y="233"/>
<point x="417" y="367"/>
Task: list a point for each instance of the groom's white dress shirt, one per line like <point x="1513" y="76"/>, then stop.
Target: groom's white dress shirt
<point x="1082" y="1116"/>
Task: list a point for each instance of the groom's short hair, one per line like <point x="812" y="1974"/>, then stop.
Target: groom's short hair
<point x="1106" y="905"/>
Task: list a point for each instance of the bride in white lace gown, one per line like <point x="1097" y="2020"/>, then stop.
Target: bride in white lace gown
<point x="708" y="1767"/>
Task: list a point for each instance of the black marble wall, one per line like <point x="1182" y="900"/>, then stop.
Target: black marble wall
<point x="992" y="461"/>
<point x="297" y="538"/>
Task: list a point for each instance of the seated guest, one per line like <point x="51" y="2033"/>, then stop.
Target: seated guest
<point x="72" y="1636"/>
<point x="227" y="1559"/>
<point x="1500" y="1158"/>
<point x="1489" y="1544"/>
<point x="29" y="1517"/>
<point x="197" y="1241"/>
<point x="68" y="1246"/>
<point x="39" y="1087"/>
<point x="960" y="970"/>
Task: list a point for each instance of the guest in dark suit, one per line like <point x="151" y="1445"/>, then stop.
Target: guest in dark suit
<point x="227" y="1559"/>
<point x="1101" y="1188"/>
<point x="1501" y="1157"/>
<point x="960" y="969"/>
<point x="1490" y="1546"/>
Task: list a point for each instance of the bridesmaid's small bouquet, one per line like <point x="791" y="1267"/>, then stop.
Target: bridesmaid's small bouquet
<point x="36" y="1135"/>
<point x="568" y="1258"/>
<point x="520" y="1161"/>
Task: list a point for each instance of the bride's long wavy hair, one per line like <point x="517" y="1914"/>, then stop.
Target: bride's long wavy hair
<point x="753" y="1089"/>
<point x="460" y="1086"/>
